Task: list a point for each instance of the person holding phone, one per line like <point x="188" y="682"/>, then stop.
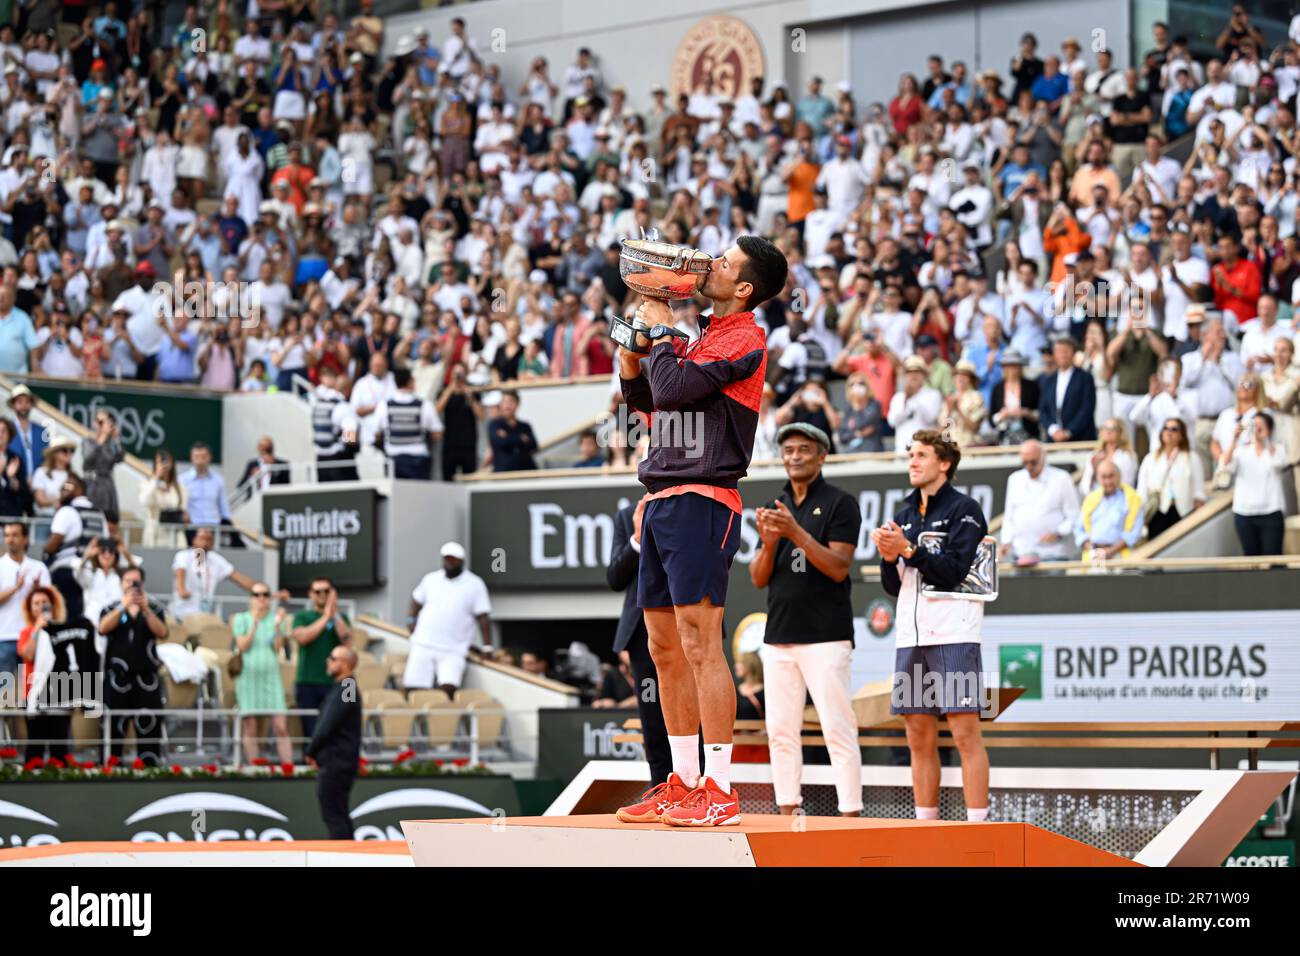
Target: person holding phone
<point x="1257" y="460"/>
<point x="128" y="634"/>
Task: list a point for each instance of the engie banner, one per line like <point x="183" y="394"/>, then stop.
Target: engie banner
<point x="1205" y="665"/>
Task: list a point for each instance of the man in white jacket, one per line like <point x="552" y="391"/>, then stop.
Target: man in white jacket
<point x="937" y="664"/>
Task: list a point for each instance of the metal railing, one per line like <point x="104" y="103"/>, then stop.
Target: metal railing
<point x="227" y="743"/>
<point x="132" y="532"/>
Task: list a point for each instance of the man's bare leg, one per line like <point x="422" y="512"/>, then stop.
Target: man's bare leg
<point x="699" y="626"/>
<point x="974" y="763"/>
<point x="923" y="742"/>
<point x="678" y="697"/>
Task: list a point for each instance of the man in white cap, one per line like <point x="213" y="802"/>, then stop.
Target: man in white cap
<point x="445" y="606"/>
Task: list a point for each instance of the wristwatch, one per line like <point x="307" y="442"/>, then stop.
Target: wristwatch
<point x="909" y="551"/>
<point x="663" y="331"/>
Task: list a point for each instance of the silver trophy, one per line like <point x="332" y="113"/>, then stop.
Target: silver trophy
<point x="981" y="582"/>
<point x="656" y="270"/>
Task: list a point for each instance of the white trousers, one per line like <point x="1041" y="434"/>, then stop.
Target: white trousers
<point x="790" y="670"/>
<point x="427" y="667"/>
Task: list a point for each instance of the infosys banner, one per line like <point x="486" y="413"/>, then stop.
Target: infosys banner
<point x="152" y="419"/>
<point x="323" y="534"/>
<point x="552" y="535"/>
<point x="1207" y="665"/>
<point x="32" y="814"/>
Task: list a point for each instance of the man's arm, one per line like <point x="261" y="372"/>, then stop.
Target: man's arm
<point x="624" y="559"/>
<point x="331" y="715"/>
<point x="676" y="385"/>
<point x="485" y="628"/>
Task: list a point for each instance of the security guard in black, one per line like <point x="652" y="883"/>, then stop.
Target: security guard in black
<point x="807" y="539"/>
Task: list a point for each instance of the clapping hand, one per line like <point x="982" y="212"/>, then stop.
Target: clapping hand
<point x="778" y="522"/>
<point x="889" y="541"/>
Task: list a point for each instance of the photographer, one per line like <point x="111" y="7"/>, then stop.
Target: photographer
<point x="460" y="411"/>
<point x="99" y="574"/>
<point x="129" y="631"/>
<point x="59" y="348"/>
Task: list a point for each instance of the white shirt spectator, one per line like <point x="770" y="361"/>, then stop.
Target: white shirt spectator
<point x="1257" y="489"/>
<point x="1153" y="412"/>
<point x="58" y="359"/>
<point x="202" y="577"/>
<point x="909" y="415"/>
<point x="1191" y="272"/>
<point x="1048" y="504"/>
<point x="35" y="574"/>
<point x="369" y="391"/>
<point x="449" y="610"/>
<point x="1179" y="482"/>
<point x="1257" y="342"/>
<point x="1213" y="383"/>
<point x="1164" y="173"/>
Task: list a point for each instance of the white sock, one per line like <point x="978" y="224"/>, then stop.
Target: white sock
<point x="977" y="816"/>
<point x="927" y="813"/>
<point x="717" y="764"/>
<point x="686" y="757"/>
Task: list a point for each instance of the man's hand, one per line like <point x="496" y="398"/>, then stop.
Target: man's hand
<point x="779" y="522"/>
<point x="889" y="541"/>
<point x="653" y="312"/>
<point x="629" y="363"/>
<point x="311" y="762"/>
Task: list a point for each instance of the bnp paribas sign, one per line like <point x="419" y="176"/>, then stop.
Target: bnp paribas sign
<point x="323" y="534"/>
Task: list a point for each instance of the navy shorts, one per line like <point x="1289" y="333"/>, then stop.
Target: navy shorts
<point x="687" y="543"/>
<point x="940" y="679"/>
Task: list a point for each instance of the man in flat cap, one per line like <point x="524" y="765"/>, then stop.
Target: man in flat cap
<point x="806" y="541"/>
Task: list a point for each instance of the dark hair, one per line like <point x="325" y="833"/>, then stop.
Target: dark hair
<point x="1267" y="419"/>
<point x="199" y="446"/>
<point x="401" y="377"/>
<point x="321" y="577"/>
<point x="21" y="526"/>
<point x="765" y="268"/>
<point x="944" y="448"/>
<point x="510" y="393"/>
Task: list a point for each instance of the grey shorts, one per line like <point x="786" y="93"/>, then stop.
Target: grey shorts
<point x="940" y="679"/>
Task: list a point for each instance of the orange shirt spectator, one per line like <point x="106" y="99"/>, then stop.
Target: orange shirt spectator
<point x="1061" y="237"/>
<point x="803" y="178"/>
<point x="1089" y="176"/>
<point x="878" y="368"/>
<point x="299" y="177"/>
<point x="1236" y="282"/>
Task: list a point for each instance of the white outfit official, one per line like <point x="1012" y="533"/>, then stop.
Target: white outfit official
<point x="445" y="628"/>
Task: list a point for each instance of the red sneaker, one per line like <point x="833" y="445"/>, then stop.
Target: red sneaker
<point x="655" y="801"/>
<point x="708" y="805"/>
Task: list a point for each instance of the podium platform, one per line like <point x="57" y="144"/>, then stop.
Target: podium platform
<point x="759" y="840"/>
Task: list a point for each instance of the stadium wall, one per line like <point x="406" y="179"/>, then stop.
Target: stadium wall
<point x="869" y="42"/>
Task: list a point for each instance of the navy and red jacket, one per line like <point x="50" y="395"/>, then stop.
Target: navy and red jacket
<point x="712" y="387"/>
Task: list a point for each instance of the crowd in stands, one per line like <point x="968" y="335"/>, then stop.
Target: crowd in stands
<point x="414" y="212"/>
<point x="271" y="202"/>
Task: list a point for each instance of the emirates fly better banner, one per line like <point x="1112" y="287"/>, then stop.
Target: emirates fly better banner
<point x="323" y="534"/>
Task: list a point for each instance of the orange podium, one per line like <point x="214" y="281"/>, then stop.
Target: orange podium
<point x="759" y="840"/>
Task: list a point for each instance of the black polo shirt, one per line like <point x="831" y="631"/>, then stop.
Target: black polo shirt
<point x="805" y="606"/>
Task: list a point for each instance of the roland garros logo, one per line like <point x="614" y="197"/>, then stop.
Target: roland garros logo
<point x="722" y="48"/>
